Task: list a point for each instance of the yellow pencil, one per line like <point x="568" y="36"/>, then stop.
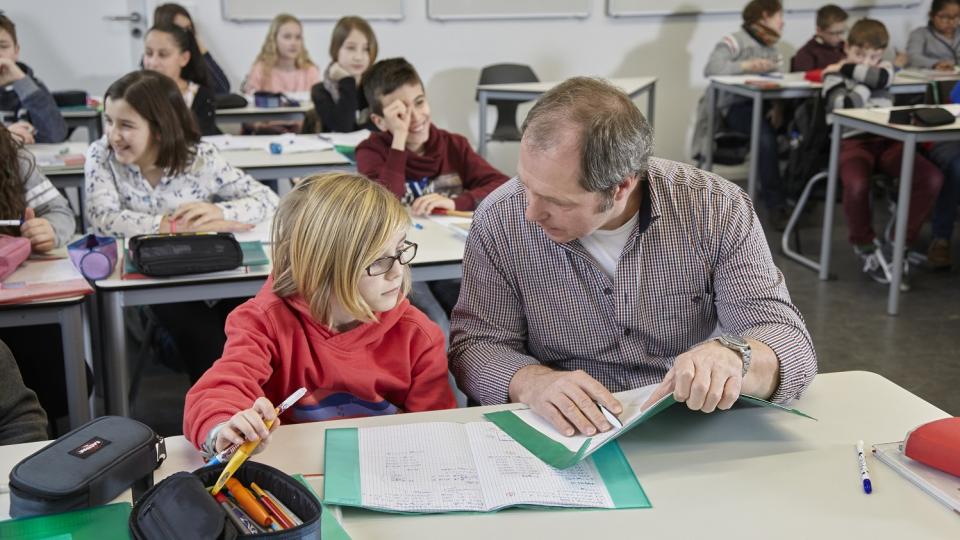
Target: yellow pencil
<point x="247" y="448"/>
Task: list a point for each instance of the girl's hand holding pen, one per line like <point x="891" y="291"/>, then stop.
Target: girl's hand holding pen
<point x="249" y="425"/>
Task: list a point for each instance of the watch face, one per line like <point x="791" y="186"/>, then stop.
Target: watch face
<point x="736" y="341"/>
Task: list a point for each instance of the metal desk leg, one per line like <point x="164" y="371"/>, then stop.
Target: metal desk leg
<point x="903" y="212"/>
<point x="755" y="122"/>
<point x="482" y="120"/>
<point x="651" y="103"/>
<point x="115" y="374"/>
<point x="74" y="365"/>
<point x="829" y="203"/>
<point x="712" y="94"/>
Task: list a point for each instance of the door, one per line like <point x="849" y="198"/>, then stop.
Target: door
<point x="75" y="45"/>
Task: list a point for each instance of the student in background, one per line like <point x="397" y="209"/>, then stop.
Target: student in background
<point x="751" y="50"/>
<point x="26" y="107"/>
<point x="21" y="417"/>
<point x="26" y="193"/>
<point x="936" y="45"/>
<point x="826" y="46"/>
<point x="332" y="318"/>
<point x="283" y="64"/>
<point x="864" y="81"/>
<point x="338" y="100"/>
<point x="151" y="173"/>
<point x="946" y="155"/>
<point x="425" y="166"/>
<point x="176" y="14"/>
<point x="172" y="51"/>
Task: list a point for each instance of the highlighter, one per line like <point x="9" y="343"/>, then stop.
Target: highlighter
<point x="247" y="448"/>
<point x="249" y="503"/>
<point x="271" y="506"/>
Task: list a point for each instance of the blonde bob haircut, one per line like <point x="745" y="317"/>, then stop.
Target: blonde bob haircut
<point x="326" y="232"/>
<point x="268" y="53"/>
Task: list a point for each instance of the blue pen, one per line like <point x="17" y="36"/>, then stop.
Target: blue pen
<point x="864" y="473"/>
<point x="418" y="226"/>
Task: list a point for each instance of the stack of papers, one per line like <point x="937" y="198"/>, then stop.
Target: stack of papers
<point x="288" y="143"/>
<point x="348" y="140"/>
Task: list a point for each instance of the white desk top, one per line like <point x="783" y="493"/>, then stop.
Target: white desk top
<point x="747" y="473"/>
<point x="436" y="244"/>
<point x="881" y="117"/>
<point x="628" y="85"/>
<point x="76" y="112"/>
<point x="795" y="80"/>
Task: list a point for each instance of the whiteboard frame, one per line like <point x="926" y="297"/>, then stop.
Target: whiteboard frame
<point x="511" y="16"/>
<point x="333" y="17"/>
<point x="608" y="10"/>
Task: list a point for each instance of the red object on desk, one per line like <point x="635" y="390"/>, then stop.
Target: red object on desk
<point x="936" y="444"/>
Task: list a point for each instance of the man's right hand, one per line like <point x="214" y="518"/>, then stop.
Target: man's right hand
<point x="567" y="399"/>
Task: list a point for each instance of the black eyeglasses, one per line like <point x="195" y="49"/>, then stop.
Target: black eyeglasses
<point x="404" y="255"/>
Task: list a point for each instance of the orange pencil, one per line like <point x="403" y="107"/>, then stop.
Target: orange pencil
<point x="249" y="503"/>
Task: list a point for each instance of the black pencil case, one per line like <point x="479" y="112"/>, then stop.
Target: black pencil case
<point x="922" y="116"/>
<point x="87" y="467"/>
<point x="180" y="507"/>
<point x="184" y="253"/>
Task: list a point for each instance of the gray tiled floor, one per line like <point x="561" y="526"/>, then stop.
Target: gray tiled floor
<point x="919" y="349"/>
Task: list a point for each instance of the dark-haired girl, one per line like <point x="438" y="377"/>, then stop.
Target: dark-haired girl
<point x="171" y="13"/>
<point x="937" y="45"/>
<point x="172" y="51"/>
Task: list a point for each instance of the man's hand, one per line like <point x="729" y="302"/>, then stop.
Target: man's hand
<point x="423" y="206"/>
<point x="567" y="399"/>
<point x="10" y="72"/>
<point x="397" y="117"/>
<point x="706" y="378"/>
<point x="38" y="231"/>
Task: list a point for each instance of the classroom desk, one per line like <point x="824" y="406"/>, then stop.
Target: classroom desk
<point x="791" y="87"/>
<point x="633" y="86"/>
<point x="68" y="313"/>
<point x="252" y="113"/>
<point x="875" y="121"/>
<point x="745" y="473"/>
<point x="439" y="256"/>
<point x="85" y="117"/>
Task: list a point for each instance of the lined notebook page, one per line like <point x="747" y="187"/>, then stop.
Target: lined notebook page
<point x="418" y="467"/>
<point x="511" y="475"/>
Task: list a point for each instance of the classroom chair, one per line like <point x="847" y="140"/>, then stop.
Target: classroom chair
<point x="506" y="129"/>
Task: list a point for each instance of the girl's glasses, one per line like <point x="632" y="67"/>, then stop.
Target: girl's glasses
<point x="404" y="255"/>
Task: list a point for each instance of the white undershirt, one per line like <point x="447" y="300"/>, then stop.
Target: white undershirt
<point x="605" y="247"/>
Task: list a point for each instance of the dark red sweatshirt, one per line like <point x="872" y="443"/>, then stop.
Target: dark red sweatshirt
<point x="448" y="166"/>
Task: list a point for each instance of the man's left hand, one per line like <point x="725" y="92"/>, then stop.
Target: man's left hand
<point x="706" y="378"/>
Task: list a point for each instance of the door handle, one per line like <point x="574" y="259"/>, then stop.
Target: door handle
<point x="133" y="17"/>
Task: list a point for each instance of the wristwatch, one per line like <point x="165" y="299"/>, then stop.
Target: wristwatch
<point x="740" y="345"/>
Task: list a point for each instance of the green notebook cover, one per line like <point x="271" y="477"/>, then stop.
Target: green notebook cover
<point x="560" y="455"/>
<point x="330" y="526"/>
<point x="108" y="522"/>
<point x="253" y="255"/>
<point x="342" y="485"/>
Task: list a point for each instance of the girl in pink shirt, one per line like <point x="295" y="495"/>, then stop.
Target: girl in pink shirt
<point x="283" y="64"/>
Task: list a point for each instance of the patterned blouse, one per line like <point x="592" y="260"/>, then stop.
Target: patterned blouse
<point x="121" y="202"/>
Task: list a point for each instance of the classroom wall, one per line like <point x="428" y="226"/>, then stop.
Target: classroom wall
<point x="449" y="54"/>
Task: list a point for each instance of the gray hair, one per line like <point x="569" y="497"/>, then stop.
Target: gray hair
<point x="614" y="138"/>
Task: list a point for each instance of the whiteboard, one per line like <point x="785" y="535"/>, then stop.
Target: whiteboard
<point x="647" y="8"/>
<point x="311" y="10"/>
<point x="453" y="10"/>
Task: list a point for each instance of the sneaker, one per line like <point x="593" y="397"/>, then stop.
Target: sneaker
<point x="886" y="262"/>
<point x="938" y="254"/>
<point x="873" y="263"/>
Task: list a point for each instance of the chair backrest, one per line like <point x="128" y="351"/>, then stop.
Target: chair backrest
<point x="506" y="129"/>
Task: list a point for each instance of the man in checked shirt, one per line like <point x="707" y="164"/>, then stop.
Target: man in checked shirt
<point x="600" y="269"/>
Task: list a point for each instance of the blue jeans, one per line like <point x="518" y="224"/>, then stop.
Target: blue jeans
<point x="947" y="157"/>
<point x="738" y="118"/>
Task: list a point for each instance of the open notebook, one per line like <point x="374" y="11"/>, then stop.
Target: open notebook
<point x="540" y="437"/>
<point x="473" y="467"/>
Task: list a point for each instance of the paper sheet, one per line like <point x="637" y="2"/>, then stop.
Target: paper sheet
<point x="511" y="475"/>
<point x="48" y="271"/>
<point x="413" y="467"/>
<point x="290" y="142"/>
<point x="352" y="139"/>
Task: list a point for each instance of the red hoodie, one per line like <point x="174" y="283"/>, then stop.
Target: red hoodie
<point x="274" y="347"/>
<point x="448" y="166"/>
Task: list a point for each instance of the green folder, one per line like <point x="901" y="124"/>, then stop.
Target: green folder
<point x="343" y="466"/>
<point x="253" y="255"/>
<point x="330" y="526"/>
<point x="108" y="522"/>
<point x="550" y="449"/>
